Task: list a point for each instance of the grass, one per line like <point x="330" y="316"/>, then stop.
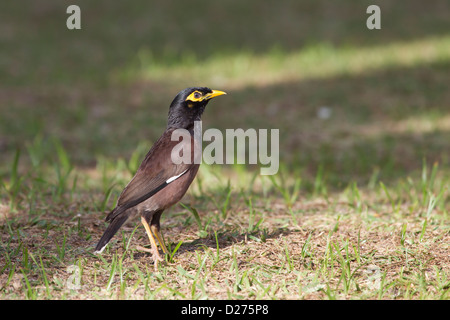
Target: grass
<point x="278" y="67"/>
<point x="317" y="247"/>
<point x="358" y="210"/>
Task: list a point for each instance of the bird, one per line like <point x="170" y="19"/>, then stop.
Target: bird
<point x="160" y="182"/>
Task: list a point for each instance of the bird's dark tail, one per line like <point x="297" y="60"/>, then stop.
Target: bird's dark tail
<point x="115" y="225"/>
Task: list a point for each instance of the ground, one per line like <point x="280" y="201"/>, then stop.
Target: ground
<point x="358" y="210"/>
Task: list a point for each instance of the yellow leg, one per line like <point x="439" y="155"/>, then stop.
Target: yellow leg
<point x="154" y="251"/>
<point x="159" y="238"/>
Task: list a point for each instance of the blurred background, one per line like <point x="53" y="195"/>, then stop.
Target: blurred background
<point x="357" y="104"/>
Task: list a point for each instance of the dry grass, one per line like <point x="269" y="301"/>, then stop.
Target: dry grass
<point x="337" y="246"/>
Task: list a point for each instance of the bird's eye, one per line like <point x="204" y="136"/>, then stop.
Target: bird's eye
<point x="195" y="96"/>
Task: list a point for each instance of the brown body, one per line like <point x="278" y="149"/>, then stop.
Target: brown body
<point x="156" y="168"/>
<point x="151" y="170"/>
<point x="160" y="182"/>
<point x="171" y="194"/>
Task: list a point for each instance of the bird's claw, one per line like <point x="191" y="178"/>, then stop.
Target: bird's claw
<point x="155" y="255"/>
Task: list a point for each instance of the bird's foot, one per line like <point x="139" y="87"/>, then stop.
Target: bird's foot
<point x="155" y="255"/>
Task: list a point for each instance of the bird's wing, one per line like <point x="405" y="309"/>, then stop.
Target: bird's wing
<point x="156" y="171"/>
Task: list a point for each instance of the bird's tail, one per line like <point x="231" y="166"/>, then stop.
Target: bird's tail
<point x="115" y="225"/>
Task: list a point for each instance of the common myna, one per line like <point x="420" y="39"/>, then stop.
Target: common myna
<point x="159" y="182"/>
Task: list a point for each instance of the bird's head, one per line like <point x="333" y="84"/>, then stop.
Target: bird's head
<point x="189" y="105"/>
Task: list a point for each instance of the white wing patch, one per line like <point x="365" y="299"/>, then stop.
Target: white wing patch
<point x="175" y="177"/>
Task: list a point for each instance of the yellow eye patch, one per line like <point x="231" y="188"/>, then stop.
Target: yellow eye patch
<point x="195" y="96"/>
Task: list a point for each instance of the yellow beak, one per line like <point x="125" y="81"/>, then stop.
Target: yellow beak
<point x="214" y="93"/>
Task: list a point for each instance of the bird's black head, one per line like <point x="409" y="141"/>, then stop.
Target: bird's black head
<point x="189" y="105"/>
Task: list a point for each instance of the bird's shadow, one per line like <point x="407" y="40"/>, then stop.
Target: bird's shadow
<point x="221" y="240"/>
